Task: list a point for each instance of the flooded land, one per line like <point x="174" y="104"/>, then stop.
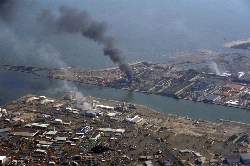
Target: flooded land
<point x="86" y="130"/>
<point x="48" y="131"/>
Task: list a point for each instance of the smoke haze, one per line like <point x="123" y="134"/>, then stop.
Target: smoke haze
<point x="214" y="67"/>
<point x="69" y="21"/>
<point x="73" y="21"/>
<point x="7" y="10"/>
<point x="47" y="52"/>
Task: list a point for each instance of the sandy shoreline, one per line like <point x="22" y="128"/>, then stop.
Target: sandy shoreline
<point x="238" y="42"/>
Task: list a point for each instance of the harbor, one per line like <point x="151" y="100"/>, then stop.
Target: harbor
<point x="200" y="94"/>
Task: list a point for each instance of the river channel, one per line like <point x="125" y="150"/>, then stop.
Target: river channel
<point x="15" y="84"/>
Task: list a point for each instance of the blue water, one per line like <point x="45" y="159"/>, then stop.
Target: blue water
<point x="144" y="30"/>
<point x="21" y="83"/>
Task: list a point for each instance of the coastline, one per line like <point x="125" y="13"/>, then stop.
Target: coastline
<point x="235" y="43"/>
<point x="215" y="119"/>
<point x="127" y="89"/>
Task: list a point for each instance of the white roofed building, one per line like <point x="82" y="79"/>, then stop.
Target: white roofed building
<point x="93" y="113"/>
<point x="51" y="133"/>
<point x="111" y="130"/>
<point x="57" y="121"/>
<point x="105" y="107"/>
<point x="133" y="119"/>
<point x="3" y="159"/>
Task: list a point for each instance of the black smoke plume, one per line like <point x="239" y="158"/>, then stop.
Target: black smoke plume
<point x="75" y="21"/>
<point x="8" y="10"/>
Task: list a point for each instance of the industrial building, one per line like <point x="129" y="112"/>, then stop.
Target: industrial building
<point x="245" y="158"/>
<point x="233" y="160"/>
<point x="211" y="98"/>
<point x="133" y="119"/>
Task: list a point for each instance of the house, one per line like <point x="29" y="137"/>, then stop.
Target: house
<point x="245" y="158"/>
<point x="45" y="143"/>
<point x="93" y="113"/>
<point x="38" y="125"/>
<point x="42" y="97"/>
<point x="26" y="133"/>
<point x="105" y="107"/>
<point x="113" y="118"/>
<point x="83" y="130"/>
<point x="31" y="99"/>
<point x="57" y="121"/>
<point x="131" y="106"/>
<point x="40" y="151"/>
<point x="111" y="114"/>
<point x="57" y="106"/>
<point x="69" y="96"/>
<point x="3" y="159"/>
<point x="233" y="159"/>
<point x="111" y="130"/>
<point x="46" y="101"/>
<point x="51" y="133"/>
<point x="68" y="109"/>
<point x="184" y="151"/>
<point x="61" y="139"/>
<point x="148" y="163"/>
<point x="95" y="136"/>
<point x="4" y="130"/>
<point x="164" y="163"/>
<point x="213" y="161"/>
<point x="197" y="154"/>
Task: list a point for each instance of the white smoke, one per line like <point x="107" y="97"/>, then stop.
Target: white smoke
<point x="214" y="67"/>
<point x="45" y="54"/>
<point x="81" y="102"/>
<point x="34" y="48"/>
<point x="86" y="106"/>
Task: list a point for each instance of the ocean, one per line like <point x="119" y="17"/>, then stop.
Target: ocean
<point x="143" y="30"/>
